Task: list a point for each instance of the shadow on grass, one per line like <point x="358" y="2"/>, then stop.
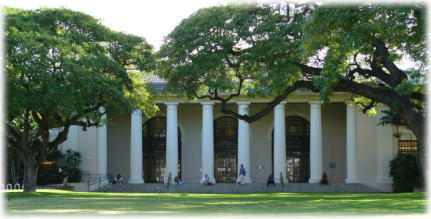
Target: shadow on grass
<point x="65" y="202"/>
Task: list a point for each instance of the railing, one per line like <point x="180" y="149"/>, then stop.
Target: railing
<point x="169" y="181"/>
<point x="11" y="186"/>
<point x="281" y="182"/>
<point x="96" y="179"/>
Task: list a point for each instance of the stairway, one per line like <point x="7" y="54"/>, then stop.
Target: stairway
<point x="237" y="188"/>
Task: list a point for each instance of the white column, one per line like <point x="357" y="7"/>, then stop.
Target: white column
<point x="73" y="137"/>
<point x="136" y="147"/>
<point x="171" y="141"/>
<point x="208" y="140"/>
<point x="279" y="143"/>
<point x="385" y="152"/>
<point x="244" y="140"/>
<point x="351" y="141"/>
<point x="102" y="147"/>
<point x="315" y="142"/>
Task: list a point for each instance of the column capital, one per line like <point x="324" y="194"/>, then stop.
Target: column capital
<point x="381" y="106"/>
<point x="137" y="112"/>
<point x="280" y="105"/>
<point x="243" y="103"/>
<point x="172" y="103"/>
<point x="204" y="103"/>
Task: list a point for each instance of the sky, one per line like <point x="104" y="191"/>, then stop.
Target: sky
<point x="152" y="20"/>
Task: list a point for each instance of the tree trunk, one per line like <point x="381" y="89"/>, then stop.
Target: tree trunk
<point x="30" y="175"/>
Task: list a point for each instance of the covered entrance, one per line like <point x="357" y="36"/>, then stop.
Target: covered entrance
<point x="225" y="149"/>
<point x="297" y="149"/>
<point x="154" y="150"/>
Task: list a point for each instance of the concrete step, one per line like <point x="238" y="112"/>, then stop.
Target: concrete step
<point x="237" y="188"/>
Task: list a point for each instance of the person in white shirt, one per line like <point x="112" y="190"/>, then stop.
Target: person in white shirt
<point x="206" y="180"/>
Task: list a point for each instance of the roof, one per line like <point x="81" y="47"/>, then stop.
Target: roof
<point x="158" y="83"/>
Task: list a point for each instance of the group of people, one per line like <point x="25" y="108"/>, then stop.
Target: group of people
<point x="178" y="180"/>
<point x="241" y="178"/>
<point x="206" y="180"/>
<point x="118" y="180"/>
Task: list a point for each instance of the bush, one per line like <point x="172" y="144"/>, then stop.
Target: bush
<point x="69" y="163"/>
<point x="405" y="172"/>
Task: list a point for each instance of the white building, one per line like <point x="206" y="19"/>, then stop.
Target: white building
<point x="299" y="140"/>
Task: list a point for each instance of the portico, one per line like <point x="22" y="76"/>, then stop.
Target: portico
<point x="250" y="145"/>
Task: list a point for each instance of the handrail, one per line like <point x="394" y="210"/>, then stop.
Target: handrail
<point x="281" y="181"/>
<point x="169" y="182"/>
<point x="93" y="179"/>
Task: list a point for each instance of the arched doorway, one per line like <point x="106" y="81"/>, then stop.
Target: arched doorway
<point x="225" y="149"/>
<point x="297" y="149"/>
<point x="154" y="150"/>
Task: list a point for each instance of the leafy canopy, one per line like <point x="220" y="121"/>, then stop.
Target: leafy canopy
<point x="351" y="38"/>
<point x="62" y="64"/>
<point x="217" y="47"/>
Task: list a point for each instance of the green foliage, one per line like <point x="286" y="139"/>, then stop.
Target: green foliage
<point x="214" y="47"/>
<point x="141" y="94"/>
<point x="391" y="117"/>
<point x="347" y="33"/>
<point x="62" y="66"/>
<point x="405" y="173"/>
<point x="218" y="46"/>
<point x="362" y="102"/>
<point x="61" y="63"/>
<point x="69" y="163"/>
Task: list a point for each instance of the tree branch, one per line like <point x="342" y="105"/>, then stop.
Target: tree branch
<point x="381" y="51"/>
<point x="270" y="106"/>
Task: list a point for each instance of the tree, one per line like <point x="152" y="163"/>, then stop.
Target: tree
<point x="226" y="51"/>
<point x="62" y="68"/>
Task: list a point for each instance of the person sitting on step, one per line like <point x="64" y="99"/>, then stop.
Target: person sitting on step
<point x="206" y="180"/>
<point x="119" y="179"/>
<point x="178" y="180"/>
<point x="270" y="180"/>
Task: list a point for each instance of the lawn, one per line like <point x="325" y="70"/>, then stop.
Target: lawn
<point x="66" y="202"/>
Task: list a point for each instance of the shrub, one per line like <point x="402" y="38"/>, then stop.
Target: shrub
<point x="405" y="173"/>
<point x="69" y="163"/>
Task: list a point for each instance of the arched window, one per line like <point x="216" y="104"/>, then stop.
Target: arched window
<point x="225" y="149"/>
<point x="154" y="149"/>
<point x="297" y="149"/>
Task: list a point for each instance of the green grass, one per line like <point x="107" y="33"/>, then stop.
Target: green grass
<point x="66" y="202"/>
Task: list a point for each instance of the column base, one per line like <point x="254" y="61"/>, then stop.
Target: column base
<point x="136" y="181"/>
<point x="351" y="180"/>
<point x="314" y="180"/>
<point x="384" y="180"/>
<point x="246" y="180"/>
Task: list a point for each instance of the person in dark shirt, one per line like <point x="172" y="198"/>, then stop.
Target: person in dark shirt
<point x="270" y="180"/>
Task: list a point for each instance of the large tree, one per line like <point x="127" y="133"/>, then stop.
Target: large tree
<point x="226" y="51"/>
<point x="63" y="67"/>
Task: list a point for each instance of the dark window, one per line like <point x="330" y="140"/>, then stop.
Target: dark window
<point x="154" y="149"/>
<point x="225" y="149"/>
<point x="297" y="149"/>
<point x="407" y="146"/>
